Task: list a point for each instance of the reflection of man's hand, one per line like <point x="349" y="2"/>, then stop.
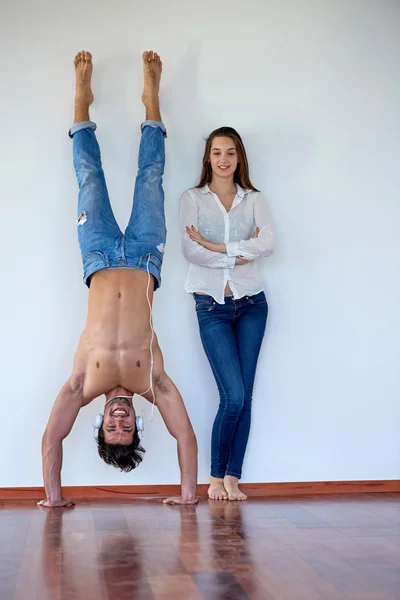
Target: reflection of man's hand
<point x="67" y="502"/>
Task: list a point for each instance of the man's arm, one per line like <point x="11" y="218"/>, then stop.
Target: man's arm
<point x="176" y="419"/>
<point x="65" y="410"/>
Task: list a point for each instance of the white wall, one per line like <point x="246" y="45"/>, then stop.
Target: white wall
<point x="314" y="88"/>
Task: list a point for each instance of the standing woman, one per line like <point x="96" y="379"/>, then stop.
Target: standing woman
<point x="226" y="227"/>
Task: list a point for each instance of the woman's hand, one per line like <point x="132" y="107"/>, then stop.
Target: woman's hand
<point x="239" y="259"/>
<point x="196" y="237"/>
<point x="67" y="502"/>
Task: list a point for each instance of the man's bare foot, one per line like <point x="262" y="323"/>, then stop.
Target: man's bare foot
<point x="231" y="485"/>
<point x="152" y="69"/>
<point x="83" y="91"/>
<point x="216" y="491"/>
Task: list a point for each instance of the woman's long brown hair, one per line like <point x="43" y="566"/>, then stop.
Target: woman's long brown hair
<point x="241" y="175"/>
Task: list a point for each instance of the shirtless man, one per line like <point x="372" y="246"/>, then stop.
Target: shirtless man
<point x="122" y="270"/>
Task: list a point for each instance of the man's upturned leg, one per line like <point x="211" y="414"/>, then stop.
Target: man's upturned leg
<point x="83" y="86"/>
<point x="146" y="231"/>
<point x="96" y="221"/>
<point x="152" y="69"/>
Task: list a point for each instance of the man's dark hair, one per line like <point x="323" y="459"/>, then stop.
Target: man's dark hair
<point x="124" y="457"/>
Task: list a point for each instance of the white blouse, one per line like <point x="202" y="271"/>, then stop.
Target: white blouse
<point x="209" y="272"/>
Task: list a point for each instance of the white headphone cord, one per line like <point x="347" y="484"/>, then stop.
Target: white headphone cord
<point x="150" y="389"/>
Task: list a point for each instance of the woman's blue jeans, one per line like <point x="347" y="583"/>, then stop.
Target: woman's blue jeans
<point x="232" y="334"/>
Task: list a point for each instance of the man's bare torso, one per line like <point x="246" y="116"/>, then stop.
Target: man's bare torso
<point x="114" y="349"/>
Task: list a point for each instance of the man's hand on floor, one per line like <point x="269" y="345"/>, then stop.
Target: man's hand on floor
<point x="180" y="500"/>
<point x="67" y="502"/>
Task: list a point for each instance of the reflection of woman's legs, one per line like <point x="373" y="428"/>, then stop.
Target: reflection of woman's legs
<point x="249" y="331"/>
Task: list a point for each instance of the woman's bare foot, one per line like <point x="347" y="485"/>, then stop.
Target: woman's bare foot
<point x="152" y="69"/>
<point x="231" y="485"/>
<point x="216" y="491"/>
<point x="83" y="91"/>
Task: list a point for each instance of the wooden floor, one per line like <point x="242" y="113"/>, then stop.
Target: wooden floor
<point x="265" y="549"/>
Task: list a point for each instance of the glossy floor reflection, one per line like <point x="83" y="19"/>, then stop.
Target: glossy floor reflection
<point x="263" y="549"/>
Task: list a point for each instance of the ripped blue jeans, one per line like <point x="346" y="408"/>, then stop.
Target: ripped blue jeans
<point x="102" y="243"/>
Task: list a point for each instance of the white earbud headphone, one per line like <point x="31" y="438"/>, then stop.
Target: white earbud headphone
<point x="99" y="422"/>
